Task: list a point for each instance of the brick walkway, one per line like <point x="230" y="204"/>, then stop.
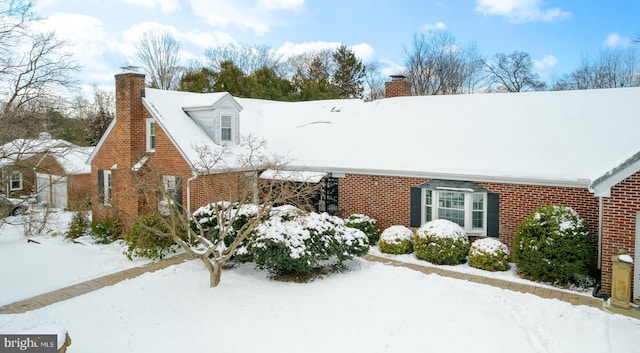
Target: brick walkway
<point x="43" y="300"/>
<point x="575" y="299"/>
<point x="75" y="290"/>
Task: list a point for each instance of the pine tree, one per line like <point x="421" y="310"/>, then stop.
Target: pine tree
<point x="349" y="74"/>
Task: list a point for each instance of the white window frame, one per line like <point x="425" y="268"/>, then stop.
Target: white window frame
<point x="19" y="180"/>
<point x="231" y="127"/>
<point x="468" y="208"/>
<point x="151" y="138"/>
<point x="106" y="186"/>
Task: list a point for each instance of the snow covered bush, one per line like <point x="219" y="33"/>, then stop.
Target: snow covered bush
<point x="366" y="224"/>
<point x="489" y="254"/>
<point x="107" y="230"/>
<point x="396" y="240"/>
<point x="215" y="217"/>
<point x="293" y="242"/>
<point x="441" y="242"/>
<point x="553" y="245"/>
<point x="78" y="226"/>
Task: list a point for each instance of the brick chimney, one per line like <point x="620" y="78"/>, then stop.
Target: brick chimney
<point x="397" y="87"/>
<point x="130" y="117"/>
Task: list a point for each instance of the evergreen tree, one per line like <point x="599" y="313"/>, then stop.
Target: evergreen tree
<point x="315" y="84"/>
<point x="233" y="80"/>
<point x="350" y="73"/>
<point x="199" y="81"/>
<point x="266" y="84"/>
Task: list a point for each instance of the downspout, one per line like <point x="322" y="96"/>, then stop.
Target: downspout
<point x="600" y="211"/>
<point x="193" y="177"/>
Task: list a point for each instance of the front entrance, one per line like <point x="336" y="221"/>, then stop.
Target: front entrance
<point x="636" y="261"/>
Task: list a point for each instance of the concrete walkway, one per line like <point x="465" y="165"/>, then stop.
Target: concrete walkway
<point x="59" y="295"/>
<point x="75" y="290"/>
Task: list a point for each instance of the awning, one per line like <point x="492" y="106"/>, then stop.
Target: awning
<point x="300" y="176"/>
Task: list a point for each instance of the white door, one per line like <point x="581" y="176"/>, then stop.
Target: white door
<point x="52" y="190"/>
<point x="42" y="186"/>
<point x="636" y="261"/>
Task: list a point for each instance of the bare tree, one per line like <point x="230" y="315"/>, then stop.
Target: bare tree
<point x="436" y="64"/>
<point x="373" y="81"/>
<point x="236" y="218"/>
<point x="611" y="69"/>
<point x="248" y="59"/>
<point x="158" y="55"/>
<point x="513" y="72"/>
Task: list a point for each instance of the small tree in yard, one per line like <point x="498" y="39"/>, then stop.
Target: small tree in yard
<point x="235" y="220"/>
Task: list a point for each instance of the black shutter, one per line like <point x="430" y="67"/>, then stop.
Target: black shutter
<point x="179" y="193"/>
<point x="101" y="186"/>
<point x="416" y="207"/>
<point x="493" y="214"/>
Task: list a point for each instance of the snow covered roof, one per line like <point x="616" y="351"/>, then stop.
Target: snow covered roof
<point x="21" y="149"/>
<point x="549" y="138"/>
<point x="73" y="160"/>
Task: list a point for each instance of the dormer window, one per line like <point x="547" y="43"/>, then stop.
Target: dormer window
<point x="226" y="128"/>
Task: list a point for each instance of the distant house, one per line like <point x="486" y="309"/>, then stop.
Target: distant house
<point x="53" y="170"/>
<point x="485" y="161"/>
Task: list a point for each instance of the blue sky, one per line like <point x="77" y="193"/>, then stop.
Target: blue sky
<point x="556" y="33"/>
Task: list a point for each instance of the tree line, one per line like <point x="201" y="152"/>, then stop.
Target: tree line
<point x="37" y="74"/>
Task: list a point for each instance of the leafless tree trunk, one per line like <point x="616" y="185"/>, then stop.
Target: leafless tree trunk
<point x="158" y="55"/>
<point x="514" y="72"/>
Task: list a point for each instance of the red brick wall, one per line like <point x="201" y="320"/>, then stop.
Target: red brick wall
<point x="387" y="199"/>
<point x="619" y="224"/>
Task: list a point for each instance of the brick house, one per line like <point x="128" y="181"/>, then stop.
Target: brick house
<point x="54" y="170"/>
<point x="485" y="161"/>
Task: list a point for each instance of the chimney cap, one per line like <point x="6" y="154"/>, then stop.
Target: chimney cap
<point x="398" y="77"/>
<point x="129" y="68"/>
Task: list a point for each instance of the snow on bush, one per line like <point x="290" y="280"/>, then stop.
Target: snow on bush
<point x="489" y="254"/>
<point x="293" y="242"/>
<point x="553" y="245"/>
<point x="396" y="240"/>
<point x="366" y="224"/>
<point x="441" y="242"/>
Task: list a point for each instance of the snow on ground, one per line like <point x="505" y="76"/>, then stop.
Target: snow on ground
<point x="370" y="308"/>
<point x="29" y="269"/>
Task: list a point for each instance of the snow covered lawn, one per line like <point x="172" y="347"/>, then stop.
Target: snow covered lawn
<point x="29" y="269"/>
<point x="370" y="308"/>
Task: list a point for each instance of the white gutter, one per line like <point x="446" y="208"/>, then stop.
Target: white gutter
<point x="189" y="192"/>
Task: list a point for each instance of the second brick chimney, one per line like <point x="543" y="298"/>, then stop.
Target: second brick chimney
<point x="397" y="87"/>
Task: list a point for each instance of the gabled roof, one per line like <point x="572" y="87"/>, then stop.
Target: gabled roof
<point x="602" y="185"/>
<point x="21" y="149"/>
<point x="564" y="138"/>
<point x="72" y="160"/>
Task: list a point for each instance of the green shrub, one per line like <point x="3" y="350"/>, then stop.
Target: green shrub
<point x="441" y="242"/>
<point x="234" y="218"/>
<point x="107" y="230"/>
<point x="143" y="242"/>
<point x="553" y="245"/>
<point x="489" y="254"/>
<point x="396" y="240"/>
<point x="79" y="226"/>
<point x="292" y="242"/>
<point x="366" y="224"/>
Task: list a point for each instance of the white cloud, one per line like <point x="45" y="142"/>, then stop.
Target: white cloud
<point x="281" y="4"/>
<point x="546" y="62"/>
<point x="438" y="26"/>
<point x="388" y="68"/>
<point x="256" y="16"/>
<point x="614" y="40"/>
<point x="166" y="6"/>
<point x="521" y="11"/>
<point x="362" y="51"/>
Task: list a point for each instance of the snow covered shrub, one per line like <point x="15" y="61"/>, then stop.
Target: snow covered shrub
<point x="441" y="242"/>
<point x="553" y="245"/>
<point x="293" y="242"/>
<point x="396" y="240"/>
<point x="489" y="254"/>
<point x="144" y="242"/>
<point x="223" y="217"/>
<point x="366" y="224"/>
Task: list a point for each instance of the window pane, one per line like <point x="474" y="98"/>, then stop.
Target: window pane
<point x="451" y="207"/>
<point x="478" y="211"/>
<point x="225" y="128"/>
<point x="428" y="205"/>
